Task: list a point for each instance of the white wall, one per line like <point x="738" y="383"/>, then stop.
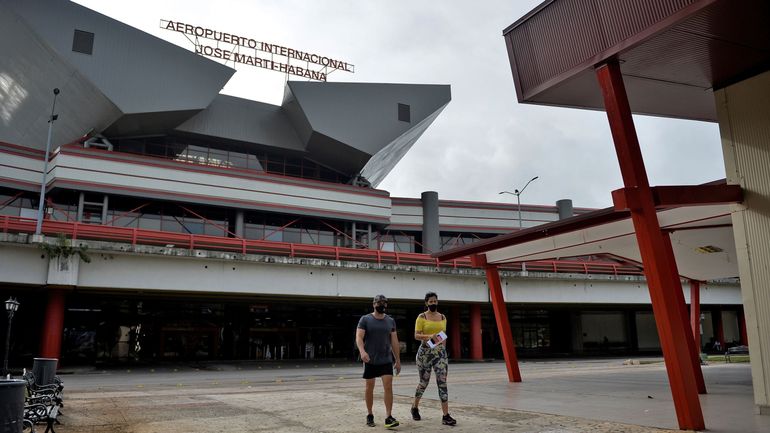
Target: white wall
<point x="177" y="269"/>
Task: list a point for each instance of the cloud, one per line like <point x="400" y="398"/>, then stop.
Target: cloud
<point x="484" y="141"/>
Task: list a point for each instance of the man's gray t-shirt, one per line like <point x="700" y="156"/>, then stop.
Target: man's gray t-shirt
<point x="377" y="338"/>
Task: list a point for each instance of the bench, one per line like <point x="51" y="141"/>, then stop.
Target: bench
<point x="39" y="410"/>
<point x="54" y="390"/>
<point x="42" y="403"/>
<point x="736" y="350"/>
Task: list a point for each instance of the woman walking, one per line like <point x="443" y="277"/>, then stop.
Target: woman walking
<point x="435" y="358"/>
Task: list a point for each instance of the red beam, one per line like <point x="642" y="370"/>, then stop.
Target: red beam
<point x="501" y="317"/>
<point x="678" y="195"/>
<point x="695" y="327"/>
<point x="655" y="248"/>
<point x="695" y="311"/>
<point x="582" y="221"/>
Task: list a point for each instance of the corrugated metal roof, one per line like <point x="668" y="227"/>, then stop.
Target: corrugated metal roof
<point x="693" y="45"/>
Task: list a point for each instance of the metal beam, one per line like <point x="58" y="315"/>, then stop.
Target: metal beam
<point x="679" y="195"/>
<point x="656" y="252"/>
<point x="501" y="318"/>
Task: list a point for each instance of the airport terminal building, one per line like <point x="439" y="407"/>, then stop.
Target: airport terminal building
<point x="216" y="227"/>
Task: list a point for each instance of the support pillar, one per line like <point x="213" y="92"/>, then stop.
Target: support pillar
<point x="501" y="317"/>
<point x="655" y="248"/>
<point x="742" y="328"/>
<point x="476" y="352"/>
<point x="53" y="325"/>
<point x="239" y="232"/>
<point x="431" y="235"/>
<point x="455" y="342"/>
<point x="105" y="209"/>
<point x="744" y="126"/>
<point x="695" y="311"/>
<point x="81" y="206"/>
<point x="719" y="327"/>
<point x="694" y="346"/>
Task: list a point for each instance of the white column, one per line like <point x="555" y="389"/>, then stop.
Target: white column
<point x="744" y="123"/>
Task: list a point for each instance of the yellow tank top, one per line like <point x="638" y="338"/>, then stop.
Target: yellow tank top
<point x="424" y="326"/>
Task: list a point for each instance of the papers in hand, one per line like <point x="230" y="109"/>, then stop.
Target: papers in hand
<point x="438" y="338"/>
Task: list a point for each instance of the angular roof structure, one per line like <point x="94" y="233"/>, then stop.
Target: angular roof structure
<point x="120" y="82"/>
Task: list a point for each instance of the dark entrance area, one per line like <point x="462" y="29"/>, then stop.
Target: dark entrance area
<point x="115" y="329"/>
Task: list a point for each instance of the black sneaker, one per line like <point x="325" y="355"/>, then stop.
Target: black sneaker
<point x="391" y="422"/>
<point x="416" y="414"/>
<point x="370" y="420"/>
<point x="448" y="420"/>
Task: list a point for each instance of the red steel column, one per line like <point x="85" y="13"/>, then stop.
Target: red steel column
<point x="476" y="352"/>
<point x="695" y="311"/>
<point x="742" y="328"/>
<point x="503" y="326"/>
<point x="454" y="333"/>
<point x="53" y="325"/>
<point x="665" y="288"/>
<point x="694" y="345"/>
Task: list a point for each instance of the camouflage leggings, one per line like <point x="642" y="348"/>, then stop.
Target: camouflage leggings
<point x="437" y="360"/>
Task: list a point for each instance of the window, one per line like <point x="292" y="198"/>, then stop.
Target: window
<point x="404" y="113"/>
<point x="83" y="42"/>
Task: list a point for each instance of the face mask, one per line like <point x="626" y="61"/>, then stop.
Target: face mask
<point x="433" y="307"/>
<point x="380" y="309"/>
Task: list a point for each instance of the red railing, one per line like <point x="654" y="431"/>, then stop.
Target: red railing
<point x="136" y="236"/>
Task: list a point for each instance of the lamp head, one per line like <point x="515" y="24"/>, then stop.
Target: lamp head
<point x="515" y="191"/>
<point x="11" y="305"/>
<point x="56" y="91"/>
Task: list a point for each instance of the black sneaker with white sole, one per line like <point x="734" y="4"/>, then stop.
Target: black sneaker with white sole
<point x="391" y="422"/>
<point x="370" y="420"/>
<point x="448" y="420"/>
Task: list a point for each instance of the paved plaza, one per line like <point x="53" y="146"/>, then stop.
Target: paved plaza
<point x="556" y="396"/>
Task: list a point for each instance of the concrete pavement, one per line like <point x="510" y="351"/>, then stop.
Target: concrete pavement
<point x="556" y="396"/>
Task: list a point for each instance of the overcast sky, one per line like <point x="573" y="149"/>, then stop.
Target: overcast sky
<point x="484" y="141"/>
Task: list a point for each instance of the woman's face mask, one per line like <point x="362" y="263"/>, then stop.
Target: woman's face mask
<point x="432" y="303"/>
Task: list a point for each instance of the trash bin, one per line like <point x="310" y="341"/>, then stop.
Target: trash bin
<point x="11" y="405"/>
<point x="44" y="370"/>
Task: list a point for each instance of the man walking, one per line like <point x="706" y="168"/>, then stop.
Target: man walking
<point x="377" y="344"/>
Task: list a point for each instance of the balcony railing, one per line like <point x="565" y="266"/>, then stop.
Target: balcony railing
<point x="136" y="236"/>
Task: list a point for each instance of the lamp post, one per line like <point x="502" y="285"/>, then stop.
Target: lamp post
<point x="517" y="193"/>
<point x="11" y="306"/>
<point x="39" y="226"/>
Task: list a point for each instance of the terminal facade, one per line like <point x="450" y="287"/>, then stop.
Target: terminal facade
<point x="223" y="228"/>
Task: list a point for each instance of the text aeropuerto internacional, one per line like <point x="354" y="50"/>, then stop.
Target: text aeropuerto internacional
<point x="275" y="50"/>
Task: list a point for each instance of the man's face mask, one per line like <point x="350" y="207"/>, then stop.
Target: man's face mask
<point x="380" y="308"/>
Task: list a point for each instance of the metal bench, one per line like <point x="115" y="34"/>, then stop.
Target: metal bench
<point x="55" y="390"/>
<point x="736" y="350"/>
<point x="41" y="410"/>
<point x="43" y="403"/>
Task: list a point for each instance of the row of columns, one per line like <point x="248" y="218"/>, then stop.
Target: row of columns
<point x="53" y="325"/>
<point x="53" y="328"/>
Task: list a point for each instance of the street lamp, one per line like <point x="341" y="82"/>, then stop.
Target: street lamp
<point x="11" y="306"/>
<point x="39" y="226"/>
<point x="517" y="193"/>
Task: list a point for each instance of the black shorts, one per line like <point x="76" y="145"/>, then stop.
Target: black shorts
<point x="371" y="371"/>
